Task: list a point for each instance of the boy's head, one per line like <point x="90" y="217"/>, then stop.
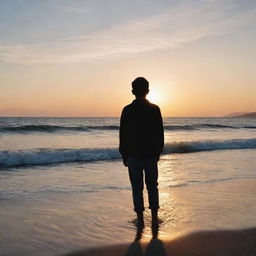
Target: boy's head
<point x="140" y="87"/>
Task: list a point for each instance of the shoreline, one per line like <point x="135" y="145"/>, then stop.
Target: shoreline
<point x="202" y="243"/>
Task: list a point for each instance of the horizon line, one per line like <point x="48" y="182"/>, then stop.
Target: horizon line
<point x="106" y="116"/>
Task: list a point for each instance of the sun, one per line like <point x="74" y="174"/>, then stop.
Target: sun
<point x="154" y="96"/>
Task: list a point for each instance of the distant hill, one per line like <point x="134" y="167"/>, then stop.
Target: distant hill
<point x="243" y="114"/>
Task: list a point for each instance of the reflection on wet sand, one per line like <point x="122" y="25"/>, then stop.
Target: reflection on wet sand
<point x="210" y="243"/>
<point x="154" y="247"/>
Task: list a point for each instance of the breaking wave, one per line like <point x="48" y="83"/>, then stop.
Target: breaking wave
<point x="57" y="128"/>
<point x="9" y="158"/>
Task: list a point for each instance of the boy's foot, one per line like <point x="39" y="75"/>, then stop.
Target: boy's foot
<point x="139" y="223"/>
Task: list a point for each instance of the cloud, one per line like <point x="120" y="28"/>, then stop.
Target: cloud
<point x="73" y="7"/>
<point x="173" y="28"/>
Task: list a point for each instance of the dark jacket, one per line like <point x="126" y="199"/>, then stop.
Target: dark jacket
<point x="141" y="130"/>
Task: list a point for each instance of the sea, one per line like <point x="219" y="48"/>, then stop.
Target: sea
<point x="63" y="187"/>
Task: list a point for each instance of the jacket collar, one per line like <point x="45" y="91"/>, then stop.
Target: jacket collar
<point x="141" y="100"/>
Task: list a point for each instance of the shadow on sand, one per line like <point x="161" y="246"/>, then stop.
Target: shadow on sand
<point x="154" y="247"/>
<point x="205" y="243"/>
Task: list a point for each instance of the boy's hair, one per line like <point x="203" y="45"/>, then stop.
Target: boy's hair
<point x="140" y="86"/>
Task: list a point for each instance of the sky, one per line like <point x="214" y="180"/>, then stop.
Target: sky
<point x="79" y="57"/>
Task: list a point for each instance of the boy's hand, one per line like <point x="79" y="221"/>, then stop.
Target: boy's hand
<point x="125" y="161"/>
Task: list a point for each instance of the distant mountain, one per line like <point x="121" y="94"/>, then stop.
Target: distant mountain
<point x="243" y="114"/>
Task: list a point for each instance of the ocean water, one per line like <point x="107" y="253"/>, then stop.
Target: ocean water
<point x="63" y="186"/>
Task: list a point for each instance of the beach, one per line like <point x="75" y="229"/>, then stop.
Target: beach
<point x="88" y="88"/>
<point x="65" y="191"/>
<point x="212" y="243"/>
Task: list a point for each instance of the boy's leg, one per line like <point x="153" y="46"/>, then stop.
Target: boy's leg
<point x="135" y="168"/>
<point x="140" y="220"/>
<point x="151" y="176"/>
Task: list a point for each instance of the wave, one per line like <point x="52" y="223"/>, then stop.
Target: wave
<point x="180" y="127"/>
<point x="188" y="183"/>
<point x="11" y="158"/>
<point x="209" y="145"/>
<point x="219" y="126"/>
<point x="250" y="127"/>
<point x="19" y="193"/>
<point x="57" y="128"/>
<point x="55" y="156"/>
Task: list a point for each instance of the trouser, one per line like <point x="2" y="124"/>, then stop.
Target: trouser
<point x="136" y="167"/>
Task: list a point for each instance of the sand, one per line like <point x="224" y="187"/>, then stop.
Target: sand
<point x="204" y="243"/>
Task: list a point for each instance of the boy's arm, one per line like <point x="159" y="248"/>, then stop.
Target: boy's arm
<point x="123" y="137"/>
<point x="160" y="132"/>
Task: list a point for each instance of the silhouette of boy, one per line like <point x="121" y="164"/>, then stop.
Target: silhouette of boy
<point x="141" y="143"/>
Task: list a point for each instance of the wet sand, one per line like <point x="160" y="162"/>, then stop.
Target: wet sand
<point x="204" y="243"/>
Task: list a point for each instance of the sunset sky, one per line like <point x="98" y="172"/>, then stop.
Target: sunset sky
<point x="79" y="57"/>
